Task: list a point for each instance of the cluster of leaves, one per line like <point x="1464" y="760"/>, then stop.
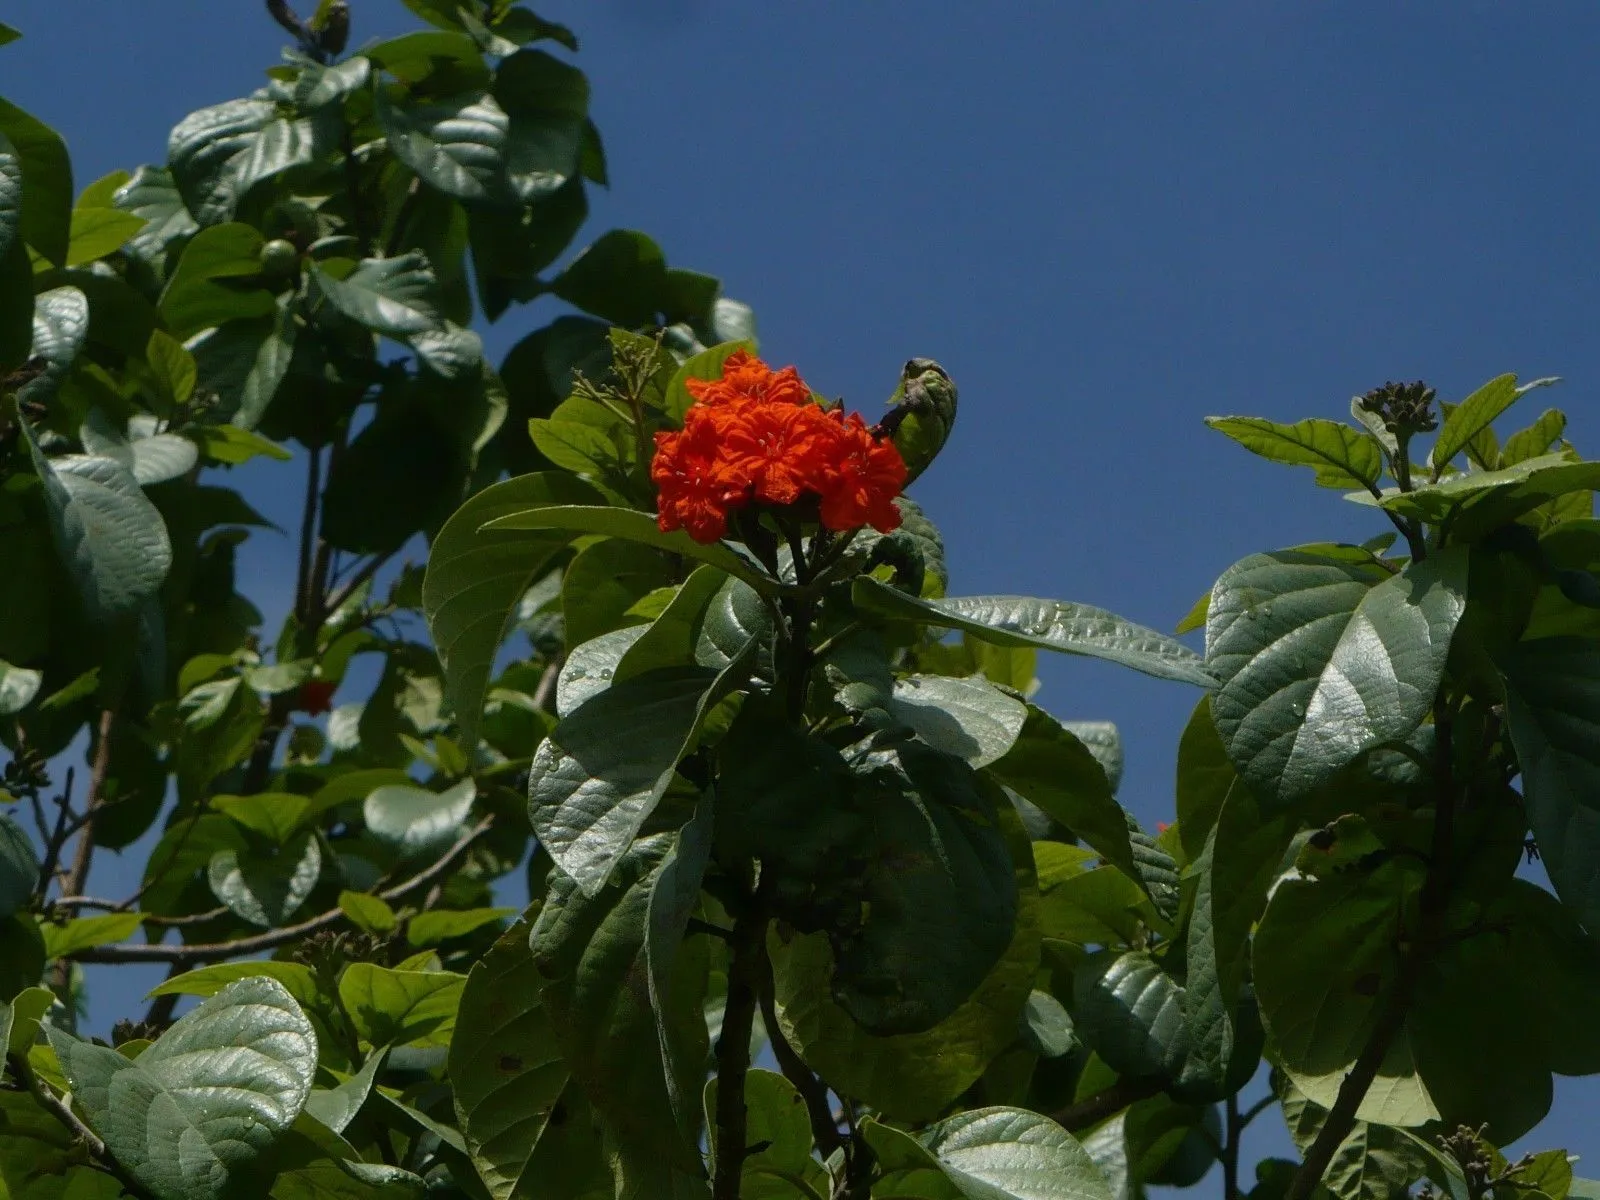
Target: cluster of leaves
<point x="787" y="800"/>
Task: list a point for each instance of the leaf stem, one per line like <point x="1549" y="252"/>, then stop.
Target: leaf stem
<point x="748" y="948"/>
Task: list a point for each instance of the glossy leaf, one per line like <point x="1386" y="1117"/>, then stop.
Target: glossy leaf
<point x="997" y="1154"/>
<point x="1048" y="624"/>
<point x="1322" y="658"/>
<point x="190" y="1117"/>
<point x="635" y="527"/>
<point x="589" y="792"/>
<point x="1054" y="770"/>
<point x="18" y="687"/>
<point x="415" y="821"/>
<point x="969" y="719"/>
<point x="458" y="146"/>
<point x="110" y="536"/>
<point x="476" y="577"/>
<point x="673" y="899"/>
<point x="1131" y="1012"/>
<point x="392" y="296"/>
<point x="267" y="889"/>
<point x="671" y="639"/>
<point x="46" y="218"/>
<point x="214" y="281"/>
<point x="505" y="1067"/>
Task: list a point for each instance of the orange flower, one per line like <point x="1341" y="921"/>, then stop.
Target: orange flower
<point x="866" y="475"/>
<point x="744" y="376"/>
<point x="754" y="434"/>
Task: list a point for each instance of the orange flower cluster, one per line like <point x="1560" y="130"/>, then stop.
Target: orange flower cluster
<point x="755" y="435"/>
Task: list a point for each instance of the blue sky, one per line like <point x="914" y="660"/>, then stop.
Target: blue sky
<point x="1107" y="221"/>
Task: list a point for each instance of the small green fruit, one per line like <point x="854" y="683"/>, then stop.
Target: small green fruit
<point x="279" y="257"/>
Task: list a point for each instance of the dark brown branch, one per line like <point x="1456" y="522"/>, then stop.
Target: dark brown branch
<point x="748" y="948"/>
<point x="204" y="952"/>
<point x="1093" y="1109"/>
<point x="56" y="840"/>
<point x="824" y="1131"/>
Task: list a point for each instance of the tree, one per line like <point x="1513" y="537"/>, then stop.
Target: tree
<point x="683" y="652"/>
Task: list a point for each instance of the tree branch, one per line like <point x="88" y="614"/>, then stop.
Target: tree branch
<point x="204" y="952"/>
<point x="1096" y="1108"/>
<point x="824" y="1131"/>
<point x="749" y="951"/>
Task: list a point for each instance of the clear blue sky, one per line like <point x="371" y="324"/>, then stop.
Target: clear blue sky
<point x="1108" y="222"/>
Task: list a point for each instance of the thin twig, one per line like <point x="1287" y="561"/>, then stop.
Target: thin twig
<point x="59" y="1109"/>
<point x="203" y="952"/>
<point x="55" y="842"/>
<point x="367" y="570"/>
<point x="544" y="694"/>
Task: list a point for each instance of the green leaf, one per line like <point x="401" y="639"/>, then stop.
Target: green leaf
<point x="393" y="296"/>
<point x="1322" y="957"/>
<point x="400" y="1007"/>
<point x="1476" y="413"/>
<point x="10" y="195"/>
<point x="47" y="196"/>
<point x="1047" y="624"/>
<point x="506" y="1068"/>
<point x="19" y="867"/>
<point x="218" y="154"/>
<point x="603" y="581"/>
<point x="60" y="328"/>
<point x="336" y="1107"/>
<point x="440" y="925"/>
<point x="152" y="195"/>
<point x="1205" y="777"/>
<point x="1371" y="1163"/>
<point x="244" y="362"/>
<point x="1536" y="439"/>
<point x="547" y="102"/>
<point x="215" y="281"/>
<point x="969" y="719"/>
<point x="671" y="639"/>
<point x="589" y="791"/>
<point x="673" y="899"/>
<point x="299" y="981"/>
<point x="192" y="1115"/>
<point x="97" y="232"/>
<point x="621" y="277"/>
<point x="1235" y="870"/>
<point x="371" y="913"/>
<point x="457" y="145"/>
<point x="591" y="953"/>
<point x="111" y="538"/>
<point x="1053" y="769"/>
<point x="635" y="527"/>
<point x="1320" y="662"/>
<point x="911" y="1076"/>
<point x="62" y="941"/>
<point x="1343" y="457"/>
<point x="173" y="367"/>
<point x="268" y="888"/>
<point x="705" y="365"/>
<point x="415" y="821"/>
<point x="18" y="687"/>
<point x="476" y="577"/>
<point x="1475" y="503"/>
<point x="1131" y="1012"/>
<point x="24" y="1015"/>
<point x="780" y="1165"/>
<point x="993" y="1154"/>
<point x="1553" y="713"/>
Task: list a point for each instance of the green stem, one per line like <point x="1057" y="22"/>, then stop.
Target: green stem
<point x="1233" y="1127"/>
